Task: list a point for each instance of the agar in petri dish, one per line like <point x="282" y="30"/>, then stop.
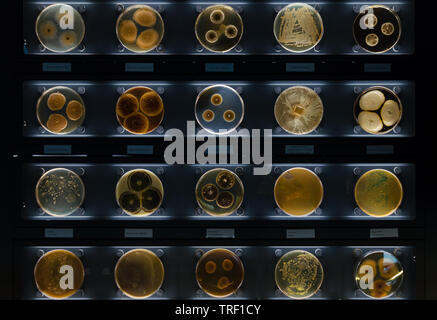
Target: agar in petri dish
<point x="377" y="29"/>
<point x="299" y="274"/>
<point x="60" y="28"/>
<point x="140" y="28"/>
<point x="378" y="193"/>
<point x="139" y="192"/>
<point x="140" y="110"/>
<point x="298" y="110"/>
<point x="60" y="110"/>
<point x="59" y="274"/>
<point x="60" y="192"/>
<point x="219" y="28"/>
<point x="298" y="192"/>
<point x="379" y="274"/>
<point x="298" y="27"/>
<point x="219" y="109"/>
<point x="139" y="273"/>
<point x="219" y="192"/>
<point x="378" y="110"/>
<point x="219" y="272"/>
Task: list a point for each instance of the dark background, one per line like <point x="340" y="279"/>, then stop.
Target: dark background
<point x="418" y="150"/>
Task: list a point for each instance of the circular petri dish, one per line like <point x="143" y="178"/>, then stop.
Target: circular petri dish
<point x="219" y="192"/>
<point x="60" y="192"/>
<point x="378" y="110"/>
<point x="298" y="192"/>
<point x="139" y="192"/>
<point x="59" y="274"/>
<point x="60" y="110"/>
<point x="298" y="27"/>
<point x="377" y="29"/>
<point x="60" y="28"/>
<point x="219" y="28"/>
<point x="378" y="193"/>
<point x="140" y="28"/>
<point x="298" y="110"/>
<point x="298" y="274"/>
<point x="219" y="109"/>
<point x="139" y="273"/>
<point x="379" y="274"/>
<point x="219" y="273"/>
<point x="140" y="110"/>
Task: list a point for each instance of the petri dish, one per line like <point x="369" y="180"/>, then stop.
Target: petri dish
<point x="298" y="110"/>
<point x="219" y="109"/>
<point x="60" y="110"/>
<point x="378" y="110"/>
<point x="219" y="28"/>
<point x="60" y="28"/>
<point x="139" y="192"/>
<point x="60" y="192"/>
<point x="377" y="29"/>
<point x="378" y="193"/>
<point x="140" y="28"/>
<point x="219" y="273"/>
<point x="140" y="110"/>
<point x="219" y="192"/>
<point x="139" y="273"/>
<point x="379" y="274"/>
<point x="59" y="274"/>
<point x="298" y="27"/>
<point x="298" y="192"/>
<point x="298" y="274"/>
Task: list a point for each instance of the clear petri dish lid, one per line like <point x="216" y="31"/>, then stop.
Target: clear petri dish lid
<point x="377" y="110"/>
<point x="139" y="273"/>
<point x="379" y="274"/>
<point x="140" y="28"/>
<point x="219" y="192"/>
<point x="219" y="28"/>
<point x="60" y="192"/>
<point x="298" y="110"/>
<point x="140" y="110"/>
<point x="377" y="28"/>
<point x="52" y="267"/>
<point x="60" y="28"/>
<point x="219" y="272"/>
<point x="219" y="109"/>
<point x="60" y="110"/>
<point x="298" y="27"/>
<point x="139" y="192"/>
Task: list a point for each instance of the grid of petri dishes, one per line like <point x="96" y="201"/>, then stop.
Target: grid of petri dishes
<point x="65" y="194"/>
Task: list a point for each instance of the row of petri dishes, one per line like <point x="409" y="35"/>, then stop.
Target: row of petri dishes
<point x="219" y="109"/>
<point x="297" y="27"/>
<point x="219" y="192"/>
<point x="139" y="273"/>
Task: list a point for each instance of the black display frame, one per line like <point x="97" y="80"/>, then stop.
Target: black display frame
<point x="413" y="150"/>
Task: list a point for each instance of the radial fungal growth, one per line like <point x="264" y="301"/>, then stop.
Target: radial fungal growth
<point x="60" y="110"/>
<point x="219" y="192"/>
<point x="139" y="192"/>
<point x="298" y="110"/>
<point x="219" y="28"/>
<point x="140" y="110"/>
<point x="219" y="109"/>
<point x="381" y="269"/>
<point x="378" y="110"/>
<point x="60" y="28"/>
<point x="140" y="28"/>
